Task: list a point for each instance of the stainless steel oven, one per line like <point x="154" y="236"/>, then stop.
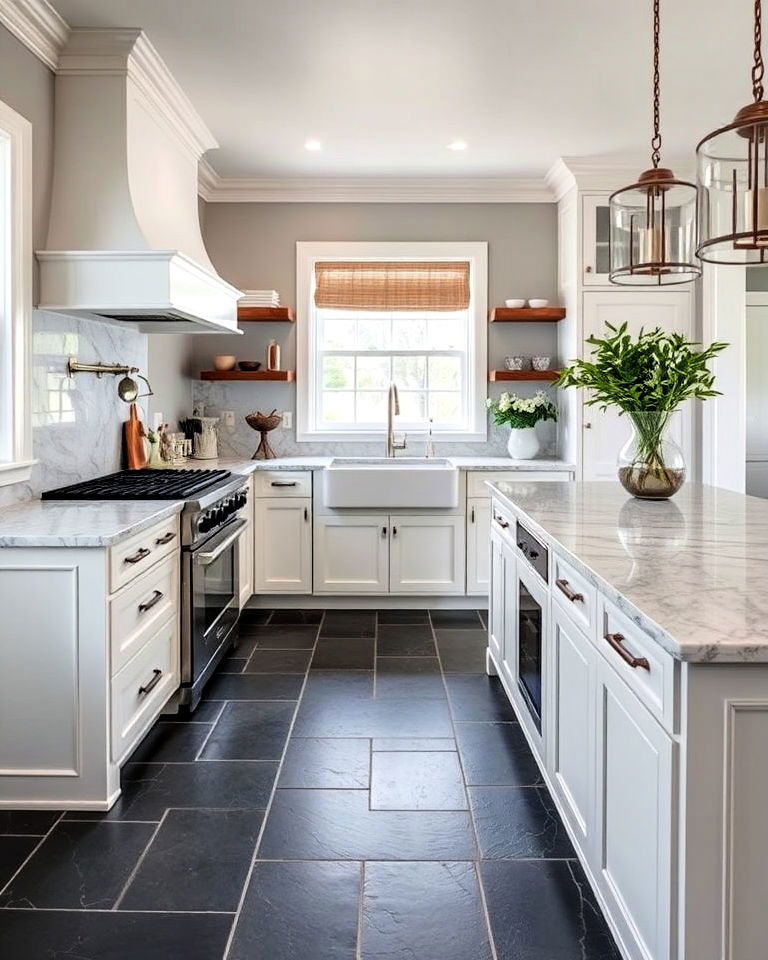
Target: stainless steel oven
<point x="530" y="623"/>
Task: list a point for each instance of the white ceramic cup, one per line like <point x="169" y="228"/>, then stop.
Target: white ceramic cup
<point x="224" y="362"/>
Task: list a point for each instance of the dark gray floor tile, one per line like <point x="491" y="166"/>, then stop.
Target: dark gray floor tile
<point x="251" y="731"/>
<point x="343" y="653"/>
<point x="32" y="823"/>
<point x="254" y="615"/>
<point x="169" y="742"/>
<point x="282" y="617"/>
<point x="518" y="822"/>
<point x="373" y="718"/>
<point x="429" y="911"/>
<point x="198" y="861"/>
<point x="296" y="636"/>
<point x="462" y="651"/>
<point x="478" y="698"/>
<point x="278" y="661"/>
<point x="544" y="910"/>
<point x="338" y="825"/>
<point x="44" y="935"/>
<point x="330" y="763"/>
<point x="403" y="616"/>
<point x="13" y="852"/>
<point x="232" y="665"/>
<point x="79" y="866"/>
<point x="417" y="781"/>
<point x="402" y="677"/>
<point x="405" y="640"/>
<point x="349" y="623"/>
<point x="496" y="753"/>
<point x="338" y="685"/>
<point x="254" y="686"/>
<point x="395" y="744"/>
<point x="461" y="619"/>
<point x="205" y="712"/>
<point x="483" y="614"/>
<point x="299" y="911"/>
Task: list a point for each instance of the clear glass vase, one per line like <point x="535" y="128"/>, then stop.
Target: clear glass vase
<point x="651" y="464"/>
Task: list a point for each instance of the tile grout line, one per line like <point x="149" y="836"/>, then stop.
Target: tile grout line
<point x="139" y="862"/>
<point x="360" y="908"/>
<point x="215" y="724"/>
<point x="254" y="858"/>
<point x="32" y="852"/>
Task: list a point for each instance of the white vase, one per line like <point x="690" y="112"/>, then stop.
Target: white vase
<point x="523" y="444"/>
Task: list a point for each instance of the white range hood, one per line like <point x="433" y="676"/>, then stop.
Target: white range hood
<point x="124" y="241"/>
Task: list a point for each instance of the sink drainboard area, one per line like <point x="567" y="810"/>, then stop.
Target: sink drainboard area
<point x="352" y="786"/>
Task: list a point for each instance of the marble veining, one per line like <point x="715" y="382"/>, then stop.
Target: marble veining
<point x="319" y="463"/>
<point x="690" y="571"/>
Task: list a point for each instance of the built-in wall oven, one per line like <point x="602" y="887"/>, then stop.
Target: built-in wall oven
<point x="530" y="621"/>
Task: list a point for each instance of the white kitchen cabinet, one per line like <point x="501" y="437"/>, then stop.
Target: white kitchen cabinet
<point x="478" y="553"/>
<point x="595" y="244"/>
<point x="246" y="550"/>
<point x="426" y="554"/>
<point x="352" y="554"/>
<point x="496" y="600"/>
<point x="282" y="533"/>
<point x="633" y="818"/>
<point x="511" y="606"/>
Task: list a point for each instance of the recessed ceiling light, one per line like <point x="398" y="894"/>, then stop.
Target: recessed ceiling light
<point x="313" y="145"/>
<point x="457" y="145"/>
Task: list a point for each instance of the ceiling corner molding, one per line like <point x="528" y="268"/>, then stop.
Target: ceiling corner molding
<point x="217" y="189"/>
<point x="38" y="26"/>
<point x="601" y="174"/>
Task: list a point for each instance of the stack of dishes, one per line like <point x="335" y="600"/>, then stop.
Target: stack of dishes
<point x="259" y="298"/>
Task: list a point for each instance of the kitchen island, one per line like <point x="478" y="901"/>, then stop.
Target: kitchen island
<point x="632" y="640"/>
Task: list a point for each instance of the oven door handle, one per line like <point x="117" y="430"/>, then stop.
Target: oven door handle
<point x="208" y="556"/>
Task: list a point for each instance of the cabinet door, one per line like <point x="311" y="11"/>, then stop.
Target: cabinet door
<point x="426" y="555"/>
<point x="283" y="545"/>
<point x="572" y="725"/>
<point x="352" y="554"/>
<point x="605" y="433"/>
<point x="496" y="601"/>
<point x="246" y="551"/>
<point x="509" y="589"/>
<point x="635" y="800"/>
<point x="478" y="545"/>
<point x="595" y="255"/>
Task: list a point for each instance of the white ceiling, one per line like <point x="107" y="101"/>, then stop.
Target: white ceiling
<point x="387" y="85"/>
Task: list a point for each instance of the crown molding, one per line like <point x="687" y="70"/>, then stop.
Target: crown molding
<point x="38" y="26"/>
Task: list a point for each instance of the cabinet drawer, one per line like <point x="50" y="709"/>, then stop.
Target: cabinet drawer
<point x="575" y="594"/>
<point x="503" y="522"/>
<point x="476" y="480"/>
<point x="653" y="675"/>
<point x="130" y="558"/>
<point x="141" y="689"/>
<point x="283" y="483"/>
<point x="140" y="607"/>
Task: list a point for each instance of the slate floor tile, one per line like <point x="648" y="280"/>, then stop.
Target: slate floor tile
<point x="496" y="754"/>
<point x="478" y="698"/>
<point x="349" y="623"/>
<point x="461" y="619"/>
<point x="31" y="823"/>
<point x="373" y="718"/>
<point x="417" y="781"/>
<point x="207" y="711"/>
<point x="281" y="617"/>
<point x="233" y="664"/>
<point x="347" y="653"/>
<point x="330" y="763"/>
<point x="338" y="685"/>
<point x="13" y="852"/>
<point x="250" y="731"/>
<point x="518" y="822"/>
<point x="402" y="677"/>
<point x="403" y="616"/>
<point x="462" y="651"/>
<point x="429" y="911"/>
<point x="254" y="615"/>
<point x="278" y="661"/>
<point x="299" y="911"/>
<point x="198" y="861"/>
<point x="167" y="742"/>
<point x="254" y="686"/>
<point x="79" y="866"/>
<point x="44" y="935"/>
<point x="405" y="640"/>
<point x="297" y="636"/>
<point x="544" y="910"/>
<point x="338" y="825"/>
<point x="395" y="744"/>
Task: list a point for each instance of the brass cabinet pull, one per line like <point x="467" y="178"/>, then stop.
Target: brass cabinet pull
<point x="140" y="554"/>
<point x="571" y="594"/>
<point x="165" y="539"/>
<point x="502" y="523"/>
<point x="616" y="640"/>
<point x="156" y="598"/>
<point x="147" y="688"/>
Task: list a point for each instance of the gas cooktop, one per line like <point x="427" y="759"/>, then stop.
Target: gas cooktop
<point x="142" y="485"/>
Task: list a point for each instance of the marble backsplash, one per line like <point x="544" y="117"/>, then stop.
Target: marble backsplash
<point x="77" y="422"/>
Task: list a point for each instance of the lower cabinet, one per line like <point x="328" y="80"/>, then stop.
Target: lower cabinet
<point x="426" y="554"/>
<point x="245" y="552"/>
<point x="496" y="600"/>
<point x="352" y="554"/>
<point x="282" y="533"/>
<point x="478" y="554"/>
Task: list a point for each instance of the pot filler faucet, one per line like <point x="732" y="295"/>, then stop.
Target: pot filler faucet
<point x="393" y="410"/>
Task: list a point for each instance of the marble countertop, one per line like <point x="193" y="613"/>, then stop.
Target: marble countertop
<point x="319" y="463"/>
<point x="691" y="571"/>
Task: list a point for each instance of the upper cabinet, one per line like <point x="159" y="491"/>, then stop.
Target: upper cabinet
<point x="595" y="258"/>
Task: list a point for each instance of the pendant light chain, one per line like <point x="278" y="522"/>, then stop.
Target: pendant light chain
<point x="757" y="69"/>
<point x="656" y="142"/>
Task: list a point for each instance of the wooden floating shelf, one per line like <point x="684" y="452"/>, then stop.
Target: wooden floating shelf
<point x="495" y="375"/>
<point x="282" y="376"/>
<point x="265" y="315"/>
<point x="526" y="314"/>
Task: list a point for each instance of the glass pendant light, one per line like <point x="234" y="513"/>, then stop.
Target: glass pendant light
<point x="653" y="222"/>
<point x="732" y="170"/>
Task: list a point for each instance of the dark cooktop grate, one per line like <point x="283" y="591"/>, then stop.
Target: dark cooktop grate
<point x="141" y="485"/>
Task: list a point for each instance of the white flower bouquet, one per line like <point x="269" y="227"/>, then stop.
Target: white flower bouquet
<point x="521" y="412"/>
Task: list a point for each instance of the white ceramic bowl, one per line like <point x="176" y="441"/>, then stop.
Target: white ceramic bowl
<point x="517" y="363"/>
<point x="540" y="363"/>
<point x="514" y="304"/>
<point x="224" y="362"/>
<point x="538" y="303"/>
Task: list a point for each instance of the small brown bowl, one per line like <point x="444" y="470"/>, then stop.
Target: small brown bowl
<point x="249" y="364"/>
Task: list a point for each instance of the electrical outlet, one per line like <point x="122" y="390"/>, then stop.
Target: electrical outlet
<point x="287" y="419"/>
<point x="229" y="418"/>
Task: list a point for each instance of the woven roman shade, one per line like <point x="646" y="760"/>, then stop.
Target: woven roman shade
<point x="392" y="285"/>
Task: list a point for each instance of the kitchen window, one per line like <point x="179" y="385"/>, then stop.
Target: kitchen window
<point x="371" y="314"/>
<point x="15" y="295"/>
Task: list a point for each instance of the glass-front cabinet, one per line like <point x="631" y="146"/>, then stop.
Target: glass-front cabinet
<point x="595" y="255"/>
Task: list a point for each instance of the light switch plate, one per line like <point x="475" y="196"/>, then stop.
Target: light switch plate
<point x="287" y="419"/>
<point x="229" y="418"/>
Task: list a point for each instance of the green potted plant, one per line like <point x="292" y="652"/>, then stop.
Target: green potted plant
<point x="646" y="377"/>
<point x="522" y="414"/>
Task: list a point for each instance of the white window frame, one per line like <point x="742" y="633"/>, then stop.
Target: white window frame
<point x="16" y="316"/>
<point x="308" y="253"/>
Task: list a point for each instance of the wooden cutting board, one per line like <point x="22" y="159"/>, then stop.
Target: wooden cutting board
<point x="134" y="443"/>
